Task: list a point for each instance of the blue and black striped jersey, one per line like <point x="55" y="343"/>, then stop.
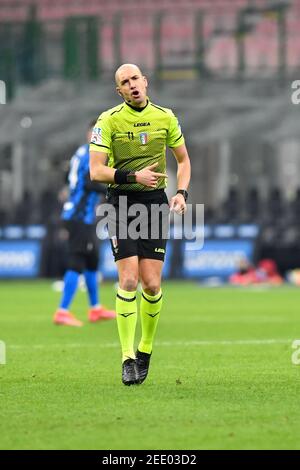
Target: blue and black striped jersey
<point x="84" y="194"/>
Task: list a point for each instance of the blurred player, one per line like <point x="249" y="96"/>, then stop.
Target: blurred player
<point x="133" y="137"/>
<point x="79" y="217"/>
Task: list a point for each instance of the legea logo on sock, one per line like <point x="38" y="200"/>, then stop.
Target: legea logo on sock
<point x="2" y="353"/>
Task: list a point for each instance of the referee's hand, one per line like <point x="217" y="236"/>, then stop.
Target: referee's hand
<point x="148" y="177"/>
<point x="178" y="204"/>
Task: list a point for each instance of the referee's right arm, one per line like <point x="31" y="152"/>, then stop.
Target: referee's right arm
<point x="104" y="174"/>
<point x="99" y="171"/>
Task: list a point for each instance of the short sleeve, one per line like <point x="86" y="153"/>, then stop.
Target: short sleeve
<point x="101" y="135"/>
<point x="175" y="137"/>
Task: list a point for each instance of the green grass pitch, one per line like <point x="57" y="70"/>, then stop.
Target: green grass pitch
<point x="221" y="375"/>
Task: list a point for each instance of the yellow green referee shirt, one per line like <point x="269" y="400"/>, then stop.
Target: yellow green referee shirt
<point x="136" y="139"/>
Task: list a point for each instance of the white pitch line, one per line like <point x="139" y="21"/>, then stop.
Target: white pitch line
<point x="159" y="343"/>
<point x="225" y="342"/>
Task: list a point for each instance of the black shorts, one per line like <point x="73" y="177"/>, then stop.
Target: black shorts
<point x="138" y="223"/>
<point x="83" y="246"/>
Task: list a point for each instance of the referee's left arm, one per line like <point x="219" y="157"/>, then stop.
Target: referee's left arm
<point x="183" y="177"/>
<point x="183" y="166"/>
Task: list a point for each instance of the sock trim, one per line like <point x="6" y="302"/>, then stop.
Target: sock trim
<point x="126" y="300"/>
<point x="151" y="301"/>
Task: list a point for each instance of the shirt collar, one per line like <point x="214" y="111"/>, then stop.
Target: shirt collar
<point x="139" y="110"/>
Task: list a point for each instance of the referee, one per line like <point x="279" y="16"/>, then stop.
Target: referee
<point x="128" y="151"/>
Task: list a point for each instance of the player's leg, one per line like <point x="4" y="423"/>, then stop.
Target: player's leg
<point x="126" y="305"/>
<point x="63" y="316"/>
<point x="125" y="254"/>
<point x="97" y="312"/>
<point x="151" y="303"/>
<point x="151" y="252"/>
<point x="126" y="308"/>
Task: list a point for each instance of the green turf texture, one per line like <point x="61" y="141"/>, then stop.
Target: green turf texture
<point x="209" y="386"/>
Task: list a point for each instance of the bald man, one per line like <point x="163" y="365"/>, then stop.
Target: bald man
<point x="128" y="151"/>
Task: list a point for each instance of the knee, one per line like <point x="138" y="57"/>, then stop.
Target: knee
<point x="129" y="283"/>
<point x="151" y="286"/>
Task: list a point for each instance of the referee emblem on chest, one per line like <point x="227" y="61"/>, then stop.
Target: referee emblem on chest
<point x="144" y="136"/>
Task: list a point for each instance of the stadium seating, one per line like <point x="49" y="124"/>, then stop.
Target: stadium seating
<point x="204" y="126"/>
<point x="178" y="30"/>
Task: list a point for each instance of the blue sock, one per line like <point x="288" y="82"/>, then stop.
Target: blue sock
<point x="70" y="287"/>
<point x="91" y="284"/>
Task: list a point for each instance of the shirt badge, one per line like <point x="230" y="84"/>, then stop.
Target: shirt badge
<point x="144" y="136"/>
<point x="96" y="136"/>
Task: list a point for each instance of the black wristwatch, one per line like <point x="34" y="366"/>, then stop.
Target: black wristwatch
<point x="184" y="193"/>
<point x="131" y="177"/>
